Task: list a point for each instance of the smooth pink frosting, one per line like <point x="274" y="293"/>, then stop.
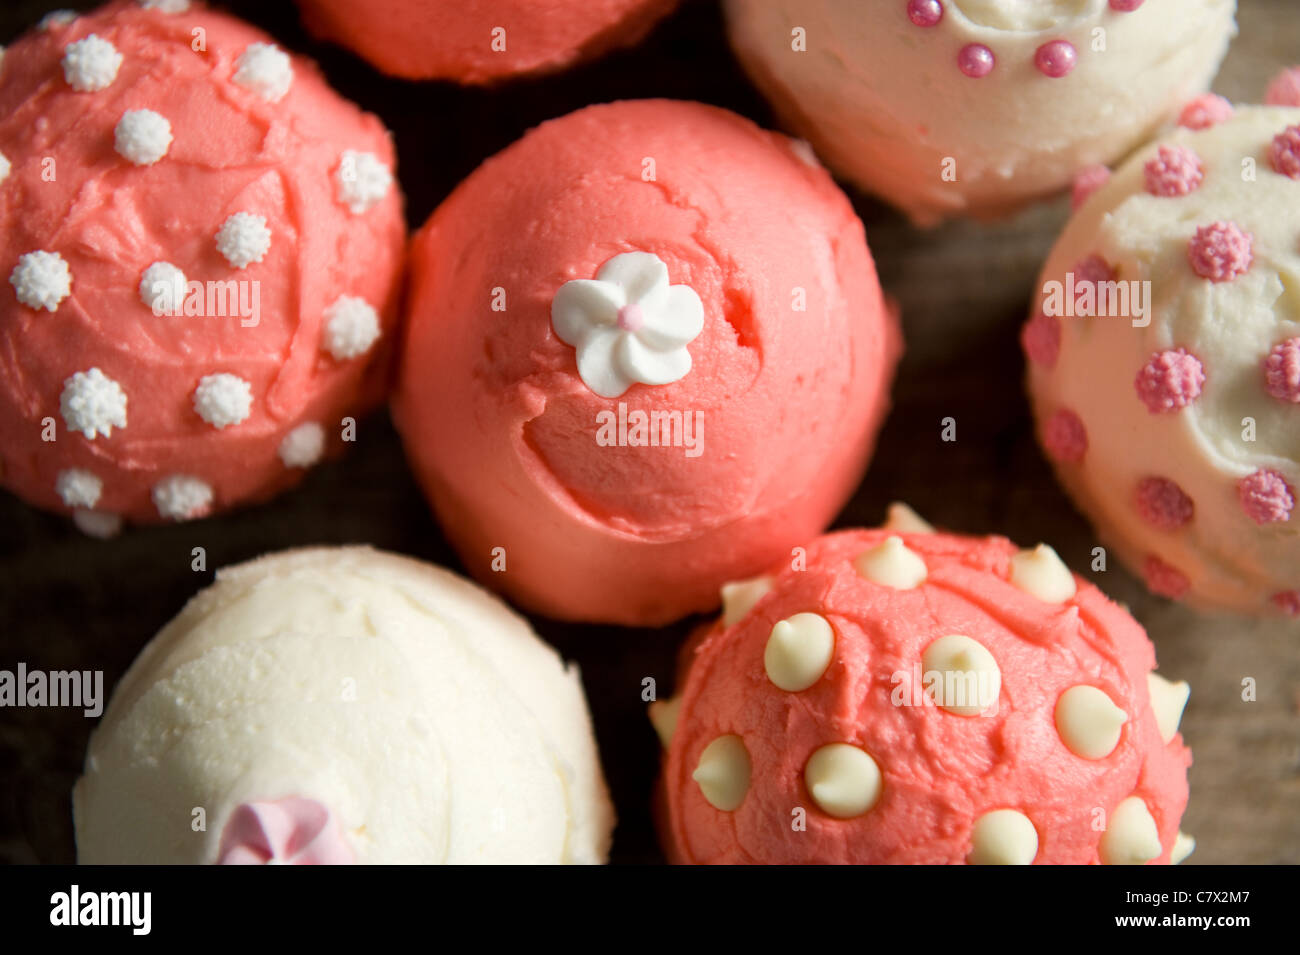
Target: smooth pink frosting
<point x="940" y="771"/>
<point x="452" y="39"/>
<point x="501" y="430"/>
<point x="288" y="831"/>
<point x="231" y="151"/>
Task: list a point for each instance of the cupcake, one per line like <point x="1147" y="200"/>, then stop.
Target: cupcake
<point x="647" y="353"/>
<point x="954" y="107"/>
<point x="906" y="696"/>
<point x="480" y="41"/>
<point x="342" y="705"/>
<point x="202" y="244"/>
<point x="1164" y="360"/>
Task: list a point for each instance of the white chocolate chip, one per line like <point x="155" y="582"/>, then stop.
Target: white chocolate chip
<point x="903" y="519"/>
<point x="5" y="166"/>
<point x="1184" y="845"/>
<point x="93" y="404"/>
<point x="142" y="136"/>
<point x="798" y="651"/>
<point x="351" y="327"/>
<point x="97" y="524"/>
<point x="266" y="70"/>
<point x="1041" y="573"/>
<point x="166" y="6"/>
<point x="78" y="487"/>
<point x="303" y="446"/>
<point x="181" y="497"/>
<point x="1003" y="837"/>
<point x="892" y="564"/>
<point x="961" y="675"/>
<point x="1131" y="837"/>
<point x="723" y="772"/>
<point x="740" y="596"/>
<point x="663" y="717"/>
<point x="362" y="180"/>
<point x="1089" y="722"/>
<point x="243" y="239"/>
<point x="41" y="280"/>
<point x="1168" y="700"/>
<point x="162" y="288"/>
<point x="843" y="780"/>
<point x="90" y="64"/>
<point x="222" y="400"/>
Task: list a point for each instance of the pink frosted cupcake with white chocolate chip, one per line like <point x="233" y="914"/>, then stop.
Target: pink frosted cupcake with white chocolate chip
<point x="202" y="243"/>
<point x="1164" y="359"/>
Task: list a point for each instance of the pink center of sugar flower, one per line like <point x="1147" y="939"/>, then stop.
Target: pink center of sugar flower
<point x="1065" y="437"/>
<point x="1205" y="111"/>
<point x="1056" y="58"/>
<point x="1282" y="371"/>
<point x="1041" y="339"/>
<point x="1163" y="504"/>
<point x="1170" y="380"/>
<point x="1086" y="182"/>
<point x="1265" y="497"/>
<point x="1220" y="251"/>
<point x="1286" y="152"/>
<point x="1174" y="171"/>
<point x="1164" y="580"/>
<point x="1285" y="88"/>
<point x="976" y="60"/>
<point x="925" y="13"/>
<point x="631" y="318"/>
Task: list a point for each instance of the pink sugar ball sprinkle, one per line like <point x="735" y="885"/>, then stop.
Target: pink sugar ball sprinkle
<point x="1221" y="251"/>
<point x="1065" y="437"/>
<point x="1285" y="88"/>
<point x="1282" y="371"/>
<point x="976" y="60"/>
<point x="1205" y="111"/>
<point x="1173" y="171"/>
<point x="1125" y="6"/>
<point x="1288" y="602"/>
<point x="1163" y="504"/>
<point x="1266" y="497"/>
<point x="1163" y="580"/>
<point x="1286" y="152"/>
<point x="1056" y="58"/>
<point x="1087" y="181"/>
<point x="1170" y="380"/>
<point x="925" y="13"/>
<point x="1041" y="339"/>
<point x="1094" y="269"/>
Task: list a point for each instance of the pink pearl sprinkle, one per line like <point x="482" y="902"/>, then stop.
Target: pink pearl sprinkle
<point x="631" y="318"/>
<point x="1265" y="497"/>
<point x="1086" y="182"/>
<point x="1175" y="171"/>
<point x="1041" y="339"/>
<point x="1065" y="437"/>
<point x="976" y="60"/>
<point x="1286" y="152"/>
<point x="1094" y="269"/>
<point x="1285" y="88"/>
<point x="1288" y="601"/>
<point x="1220" y="251"/>
<point x="1163" y="504"/>
<point x="1125" y="6"/>
<point x="1056" y="58"/>
<point x="1164" y="580"/>
<point x="1170" y="380"/>
<point x="1282" y="371"/>
<point x="1205" y="111"/>
<point x="925" y="13"/>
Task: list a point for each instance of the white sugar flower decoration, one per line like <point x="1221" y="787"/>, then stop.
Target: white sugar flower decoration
<point x="628" y="324"/>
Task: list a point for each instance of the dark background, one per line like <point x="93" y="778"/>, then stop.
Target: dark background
<point x="71" y="602"/>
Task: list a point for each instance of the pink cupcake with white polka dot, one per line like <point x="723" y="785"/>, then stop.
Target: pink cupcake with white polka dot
<point x="202" y="244"/>
<point x="1164" y="358"/>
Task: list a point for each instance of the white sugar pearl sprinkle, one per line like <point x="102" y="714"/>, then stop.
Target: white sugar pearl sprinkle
<point x="78" y="487"/>
<point x="142" y="136"/>
<point x="93" y="404"/>
<point x="90" y="64"/>
<point x="162" y="288"/>
<point x="181" y="497"/>
<point x="243" y="239"/>
<point x="351" y="327"/>
<point x="303" y="446"/>
<point x="362" y="180"/>
<point x="41" y="280"/>
<point x="222" y="400"/>
<point x="266" y="70"/>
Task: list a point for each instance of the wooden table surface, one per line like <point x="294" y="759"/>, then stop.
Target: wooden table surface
<point x="69" y="602"/>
